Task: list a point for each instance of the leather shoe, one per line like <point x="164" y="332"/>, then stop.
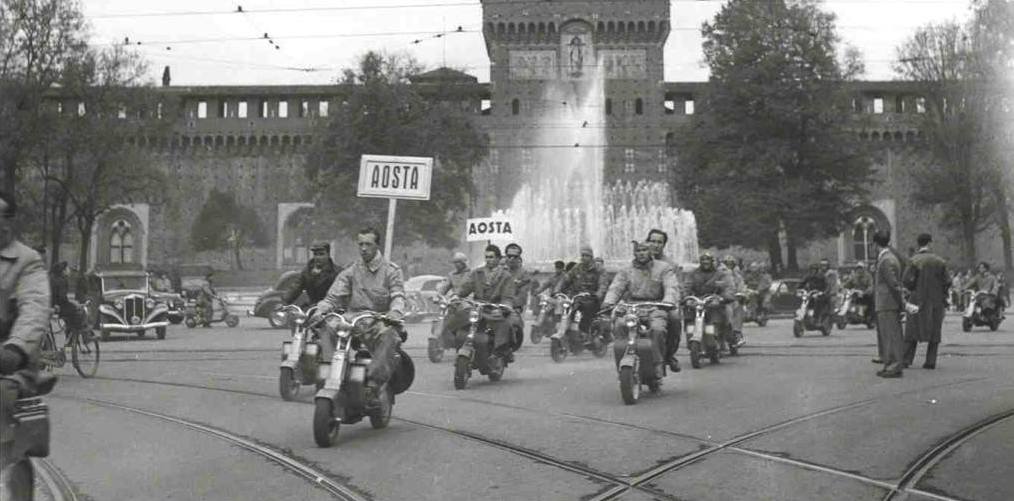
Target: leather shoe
<point x="889" y="374"/>
<point x="659" y="371"/>
<point x="929" y="366"/>
<point x="674" y="365"/>
<point x="877" y="361"/>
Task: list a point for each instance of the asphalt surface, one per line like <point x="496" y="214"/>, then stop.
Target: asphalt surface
<point x="198" y="416"/>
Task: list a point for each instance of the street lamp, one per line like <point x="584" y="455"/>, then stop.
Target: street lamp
<point x="866" y="223"/>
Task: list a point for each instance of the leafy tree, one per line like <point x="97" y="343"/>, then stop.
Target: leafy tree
<point x="382" y="114"/>
<point x="772" y="149"/>
<point x="959" y="72"/>
<point x="225" y="224"/>
<point x="37" y="38"/>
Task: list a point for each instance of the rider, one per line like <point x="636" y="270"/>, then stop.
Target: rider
<point x="984" y="281"/>
<point x="646" y="280"/>
<point x="487" y="284"/>
<point x="24" y="319"/>
<point x="657" y="239"/>
<point x="452" y="284"/>
<point x="370" y="284"/>
<point x="862" y="281"/>
<point x="316" y="278"/>
<point x="516" y="291"/>
<point x="817" y="281"/>
<point x="735" y="309"/>
<point x="708" y="280"/>
<point x="833" y="283"/>
<point x="758" y="279"/>
<point x="206" y="298"/>
<point x="586" y="277"/>
<point x="66" y="308"/>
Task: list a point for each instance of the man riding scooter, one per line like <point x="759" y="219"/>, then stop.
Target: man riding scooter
<point x="816" y="280"/>
<point x="586" y="278"/>
<point x="708" y="280"/>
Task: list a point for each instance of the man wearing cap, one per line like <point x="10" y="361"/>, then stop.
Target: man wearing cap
<point x="708" y="280"/>
<point x="646" y="280"/>
<point x="927" y="279"/>
<point x="24" y="319"/>
<point x="371" y="283"/>
<point x="586" y="277"/>
<point x="488" y="284"/>
<point x="316" y="278"/>
<point x="517" y="288"/>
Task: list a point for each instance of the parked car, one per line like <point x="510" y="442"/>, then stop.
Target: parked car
<point x="126" y="304"/>
<point x="782" y="295"/>
<point x="271" y="299"/>
<point x="419" y="293"/>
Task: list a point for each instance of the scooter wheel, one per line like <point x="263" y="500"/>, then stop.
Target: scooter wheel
<point x="797" y="328"/>
<point x="325" y="426"/>
<point x="434" y="350"/>
<point x="288" y="386"/>
<point x="557" y="350"/>
<point x="966" y="325"/>
<point x="630" y="385"/>
<point x="461" y="372"/>
<point x="695" y="354"/>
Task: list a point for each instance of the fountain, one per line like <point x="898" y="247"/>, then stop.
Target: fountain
<point x="564" y="202"/>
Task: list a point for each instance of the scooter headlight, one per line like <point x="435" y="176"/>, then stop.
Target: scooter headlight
<point x="279" y="316"/>
<point x="566" y="304"/>
<point x="473" y="316"/>
<point x="631" y="321"/>
<point x="299" y="321"/>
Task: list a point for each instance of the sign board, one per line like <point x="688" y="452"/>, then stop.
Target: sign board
<point x="395" y="177"/>
<point x="490" y="228"/>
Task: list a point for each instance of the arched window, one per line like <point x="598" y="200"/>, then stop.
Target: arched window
<point x="862" y="238"/>
<point x="639" y="106"/>
<point x="515" y="107"/>
<point x="121" y="242"/>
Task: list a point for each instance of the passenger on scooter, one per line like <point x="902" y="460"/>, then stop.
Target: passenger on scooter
<point x="657" y="239"/>
<point x="862" y="281"/>
<point x="371" y="283"/>
<point x="646" y="280"/>
<point x="487" y="284"/>
<point x="24" y="319"/>
<point x="758" y="279"/>
<point x="586" y="277"/>
<point x="708" y="280"/>
<point x="516" y="292"/>
<point x="833" y="284"/>
<point x="817" y="281"/>
<point x="735" y="309"/>
<point x="316" y="278"/>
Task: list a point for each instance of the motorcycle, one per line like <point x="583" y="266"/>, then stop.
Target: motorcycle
<point x="437" y="343"/>
<point x="547" y="319"/>
<point x="753" y="310"/>
<point x="854" y="311"/>
<point x="806" y="316"/>
<point x="704" y="336"/>
<point x="299" y="354"/>
<point x="569" y="338"/>
<point x="476" y="351"/>
<point x="195" y="313"/>
<point x="24" y="434"/>
<point x="345" y="395"/>
<point x="983" y="309"/>
<point x="635" y="359"/>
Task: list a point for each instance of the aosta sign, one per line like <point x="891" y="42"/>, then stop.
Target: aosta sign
<point x="489" y="228"/>
<point x="395" y="177"/>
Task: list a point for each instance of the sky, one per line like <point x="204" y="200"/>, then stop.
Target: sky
<point x="209" y="42"/>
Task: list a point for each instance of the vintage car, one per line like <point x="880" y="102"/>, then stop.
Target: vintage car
<point x="419" y="293"/>
<point x="271" y="299"/>
<point x="127" y="305"/>
<point x="173" y="301"/>
<point x="782" y="296"/>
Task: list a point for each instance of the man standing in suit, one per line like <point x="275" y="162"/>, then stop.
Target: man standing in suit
<point x="928" y="280"/>
<point x="888" y="302"/>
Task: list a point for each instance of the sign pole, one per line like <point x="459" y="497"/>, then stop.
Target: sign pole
<point x="389" y="234"/>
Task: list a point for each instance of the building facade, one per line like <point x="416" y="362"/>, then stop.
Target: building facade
<point x="253" y="140"/>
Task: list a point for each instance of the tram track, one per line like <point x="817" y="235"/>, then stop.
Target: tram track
<point x="620" y="485"/>
<point x="56" y="483"/>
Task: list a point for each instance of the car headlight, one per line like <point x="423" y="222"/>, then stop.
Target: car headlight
<point x="150" y="303"/>
<point x="119" y="304"/>
<point x="473" y="316"/>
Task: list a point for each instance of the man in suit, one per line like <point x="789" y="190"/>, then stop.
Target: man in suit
<point x="928" y="280"/>
<point x="888" y="302"/>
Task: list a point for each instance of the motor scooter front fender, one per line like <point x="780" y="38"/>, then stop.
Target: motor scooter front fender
<point x="327" y="393"/>
<point x="467" y="350"/>
<point x="620" y="353"/>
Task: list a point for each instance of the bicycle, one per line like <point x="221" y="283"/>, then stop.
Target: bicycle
<point x="84" y="346"/>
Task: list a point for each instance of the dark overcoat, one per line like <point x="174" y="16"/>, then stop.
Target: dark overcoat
<point x="927" y="280"/>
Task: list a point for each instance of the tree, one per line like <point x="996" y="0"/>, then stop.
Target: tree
<point x="37" y="37"/>
<point x="83" y="161"/>
<point x="772" y="149"/>
<point x="225" y="224"/>
<point x="382" y="114"/>
<point x="959" y="72"/>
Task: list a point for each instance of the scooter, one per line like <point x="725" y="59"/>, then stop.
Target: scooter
<point x="569" y="338"/>
<point x="853" y="311"/>
<point x="547" y="319"/>
<point x="806" y="316"/>
<point x="195" y="314"/>
<point x="299" y="354"/>
<point x="753" y="310"/>
<point x="477" y="349"/>
<point x="437" y="343"/>
<point x="635" y="359"/>
<point x="704" y="337"/>
<point x="24" y="435"/>
<point x="982" y="310"/>
<point x="346" y="395"/>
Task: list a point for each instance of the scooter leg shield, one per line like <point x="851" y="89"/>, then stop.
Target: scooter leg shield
<point x="646" y="352"/>
<point x="404" y="373"/>
<point x="619" y="349"/>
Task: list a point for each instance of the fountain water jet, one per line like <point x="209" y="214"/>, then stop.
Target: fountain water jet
<point x="564" y="201"/>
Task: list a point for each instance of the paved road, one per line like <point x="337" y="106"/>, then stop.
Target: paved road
<point x="197" y="416"/>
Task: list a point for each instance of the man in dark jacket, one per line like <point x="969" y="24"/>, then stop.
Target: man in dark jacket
<point x="60" y="287"/>
<point x="586" y="277"/>
<point x="316" y="278"/>
<point x="927" y="278"/>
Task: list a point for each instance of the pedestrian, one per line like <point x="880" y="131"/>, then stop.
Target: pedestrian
<point x="888" y="303"/>
<point x="927" y="279"/>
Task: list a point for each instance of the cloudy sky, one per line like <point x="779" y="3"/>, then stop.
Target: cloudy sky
<point x="209" y="42"/>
